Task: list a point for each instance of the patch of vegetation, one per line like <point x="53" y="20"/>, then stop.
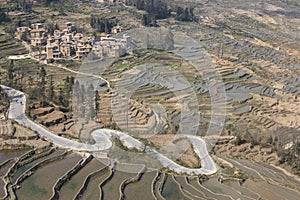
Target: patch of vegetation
<point x="185" y="15"/>
<point x="158" y="9"/>
<point x="291" y="157"/>
<point x="4" y="101"/>
<point x="240" y="175"/>
<point x="3" y="17"/>
<point x="102" y="24"/>
<point x="63" y="6"/>
<point x="119" y="144"/>
<point x="112" y="126"/>
<point x="121" y="66"/>
<point x="32" y="78"/>
<point x="69" y="63"/>
<point x="239" y="140"/>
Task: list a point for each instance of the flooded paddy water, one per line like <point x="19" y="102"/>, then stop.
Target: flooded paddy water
<point x="142" y="188"/>
<point x="111" y="188"/>
<point x="93" y="191"/>
<point x="72" y="187"/>
<point x="24" y="168"/>
<point x="171" y="190"/>
<point x="7" y="160"/>
<point x="8" y="154"/>
<point x="39" y="185"/>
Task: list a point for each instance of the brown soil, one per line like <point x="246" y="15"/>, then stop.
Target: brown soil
<point x="57" y="121"/>
<point x="15" y="136"/>
<point x="227" y="147"/>
<point x="137" y="111"/>
<point x="182" y="149"/>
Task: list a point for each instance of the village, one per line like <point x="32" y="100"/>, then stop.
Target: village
<point x="69" y="44"/>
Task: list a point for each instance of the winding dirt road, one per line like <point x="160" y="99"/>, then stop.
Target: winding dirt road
<point x="102" y="138"/>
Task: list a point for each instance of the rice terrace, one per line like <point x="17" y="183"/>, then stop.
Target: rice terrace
<point x="149" y="99"/>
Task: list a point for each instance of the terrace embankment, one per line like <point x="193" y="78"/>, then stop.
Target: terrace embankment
<point x="244" y="179"/>
<point x="235" y="148"/>
<point x="58" y="185"/>
<point x="15" y="136"/>
<point x="9" y="46"/>
<point x="57" y="120"/>
<point x="4" y="104"/>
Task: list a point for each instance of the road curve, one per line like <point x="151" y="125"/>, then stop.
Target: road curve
<point x="102" y="139"/>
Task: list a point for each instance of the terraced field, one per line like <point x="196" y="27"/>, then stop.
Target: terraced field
<point x="35" y="177"/>
<point x="9" y="46"/>
<point x="254" y="50"/>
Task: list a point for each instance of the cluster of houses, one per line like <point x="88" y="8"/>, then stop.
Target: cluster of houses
<point x="67" y="43"/>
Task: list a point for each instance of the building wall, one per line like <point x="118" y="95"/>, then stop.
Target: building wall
<point x="66" y="51"/>
<point x="49" y="52"/>
<point x="38" y="42"/>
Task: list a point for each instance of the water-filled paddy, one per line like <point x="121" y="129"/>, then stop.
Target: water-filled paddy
<point x="70" y="188"/>
<point x="8" y="154"/>
<point x="93" y="191"/>
<point x="22" y="169"/>
<point x="171" y="190"/>
<point x="141" y="189"/>
<point x="111" y="188"/>
<point x="39" y="185"/>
